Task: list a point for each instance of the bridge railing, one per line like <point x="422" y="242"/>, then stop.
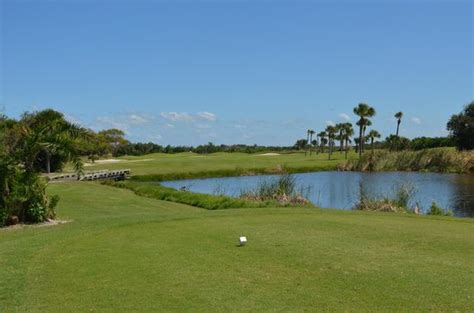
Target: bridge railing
<point x="95" y="175"/>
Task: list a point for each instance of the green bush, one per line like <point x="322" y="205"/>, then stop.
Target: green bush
<point x="436" y="210"/>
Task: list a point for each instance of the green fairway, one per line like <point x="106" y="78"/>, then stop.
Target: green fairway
<point x="122" y="252"/>
<point x="161" y="163"/>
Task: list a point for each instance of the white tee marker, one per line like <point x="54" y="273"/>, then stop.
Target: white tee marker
<point x="242" y="240"/>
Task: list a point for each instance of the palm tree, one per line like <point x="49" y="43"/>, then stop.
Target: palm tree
<point x="373" y="134"/>
<point x="331" y="131"/>
<point x="364" y="111"/>
<point x="39" y="135"/>
<point x="311" y="133"/>
<point x="340" y="135"/>
<point x="398" y="116"/>
<point x="322" y="135"/>
<point x="307" y="141"/>
<point x="347" y="134"/>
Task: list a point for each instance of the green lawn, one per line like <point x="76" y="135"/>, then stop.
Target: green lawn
<point x="122" y="252"/>
<point x="160" y="163"/>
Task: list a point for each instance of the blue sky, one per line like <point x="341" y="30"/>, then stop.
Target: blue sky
<point x="189" y="72"/>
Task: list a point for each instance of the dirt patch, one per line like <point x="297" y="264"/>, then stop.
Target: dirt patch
<point x="44" y="224"/>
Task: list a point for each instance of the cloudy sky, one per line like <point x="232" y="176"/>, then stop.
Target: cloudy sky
<point x="182" y="72"/>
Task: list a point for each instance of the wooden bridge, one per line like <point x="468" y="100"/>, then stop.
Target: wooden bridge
<point x="89" y="176"/>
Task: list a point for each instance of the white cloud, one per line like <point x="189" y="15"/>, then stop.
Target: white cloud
<point x="416" y="120"/>
<point x="137" y="119"/>
<point x="211" y="117"/>
<point x="177" y="116"/>
<point x="345" y="117"/>
<point x="189" y="117"/>
<point x="168" y="125"/>
<point x="330" y="123"/>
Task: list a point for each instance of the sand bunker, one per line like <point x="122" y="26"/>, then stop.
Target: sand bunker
<point x="269" y="154"/>
<point x="108" y="161"/>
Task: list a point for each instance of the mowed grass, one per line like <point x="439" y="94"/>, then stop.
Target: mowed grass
<point x="184" y="163"/>
<point x="123" y="252"/>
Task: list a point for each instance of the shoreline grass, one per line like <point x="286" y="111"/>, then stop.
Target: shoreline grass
<point x="441" y="160"/>
<point x="206" y="201"/>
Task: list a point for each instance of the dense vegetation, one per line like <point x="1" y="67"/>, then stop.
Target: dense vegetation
<point x="26" y="148"/>
<point x="461" y="127"/>
<point x="434" y="160"/>
<point x="147" y="148"/>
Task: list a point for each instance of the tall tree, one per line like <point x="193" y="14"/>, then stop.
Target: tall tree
<point x="348" y="132"/>
<point x="398" y="116"/>
<point x="311" y="133"/>
<point x="322" y="141"/>
<point x="373" y="134"/>
<point x="307" y="141"/>
<point x="364" y="111"/>
<point x="340" y="135"/>
<point x="461" y="127"/>
<point x="331" y="133"/>
<point x="46" y="135"/>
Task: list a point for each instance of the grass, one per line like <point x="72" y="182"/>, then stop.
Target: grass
<point x="205" y="201"/>
<point x="432" y="160"/>
<point x="123" y="252"/>
<point x="161" y="166"/>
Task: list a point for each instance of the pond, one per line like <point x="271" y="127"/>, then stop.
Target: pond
<point x="340" y="190"/>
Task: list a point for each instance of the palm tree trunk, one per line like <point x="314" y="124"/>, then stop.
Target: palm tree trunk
<point x="307" y="139"/>
<point x="360" y="140"/>
<point x="398" y="126"/>
<point x="346" y="150"/>
<point x="363" y="138"/>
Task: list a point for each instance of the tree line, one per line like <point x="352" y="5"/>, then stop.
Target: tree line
<point x="460" y="127"/>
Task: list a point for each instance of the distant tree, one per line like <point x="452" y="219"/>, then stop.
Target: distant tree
<point x="311" y="133"/>
<point x="300" y="144"/>
<point x="373" y="134"/>
<point x="420" y="143"/>
<point x="331" y="133"/>
<point x="307" y="140"/>
<point x="397" y="142"/>
<point x="322" y="140"/>
<point x="348" y="132"/>
<point x="461" y="128"/>
<point x="398" y="116"/>
<point x="340" y="135"/>
<point x="364" y="111"/>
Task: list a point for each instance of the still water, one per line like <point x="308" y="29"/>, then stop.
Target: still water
<point x="340" y="190"/>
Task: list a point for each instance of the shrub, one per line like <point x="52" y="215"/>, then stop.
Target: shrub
<point x="398" y="204"/>
<point x="283" y="190"/>
<point x="436" y="210"/>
